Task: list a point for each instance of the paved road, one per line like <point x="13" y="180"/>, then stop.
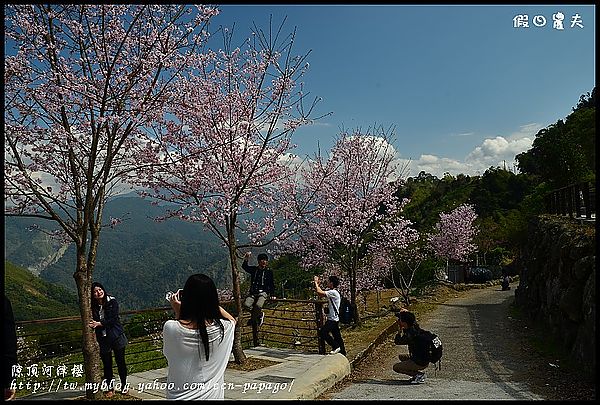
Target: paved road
<point x="481" y="360"/>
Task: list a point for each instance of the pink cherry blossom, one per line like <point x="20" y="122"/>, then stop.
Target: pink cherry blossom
<point x="453" y="236"/>
<point x="351" y="195"/>
<point x="223" y="155"/>
<point x="82" y="84"/>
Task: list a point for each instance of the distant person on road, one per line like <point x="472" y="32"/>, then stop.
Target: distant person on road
<point x="9" y="350"/>
<point x="416" y="361"/>
<point x="505" y="281"/>
<point x="197" y="344"/>
<point x="330" y="332"/>
<point x="110" y="336"/>
<point x="261" y="287"/>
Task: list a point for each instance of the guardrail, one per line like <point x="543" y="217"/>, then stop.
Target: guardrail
<point x="50" y="354"/>
<point x="577" y="200"/>
<point x="50" y="344"/>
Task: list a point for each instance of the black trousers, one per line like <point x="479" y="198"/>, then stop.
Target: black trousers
<point x="107" y="363"/>
<point x="330" y="332"/>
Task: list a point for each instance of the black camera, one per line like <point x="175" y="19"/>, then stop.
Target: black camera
<point x="326" y="310"/>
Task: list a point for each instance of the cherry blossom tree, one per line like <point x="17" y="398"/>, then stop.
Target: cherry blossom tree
<point x="82" y="84"/>
<point x="398" y="250"/>
<point x="224" y="157"/>
<point x="453" y="236"/>
<point x="352" y="191"/>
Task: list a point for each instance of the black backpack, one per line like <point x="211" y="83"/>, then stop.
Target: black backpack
<point x="435" y="348"/>
<point x="346" y="313"/>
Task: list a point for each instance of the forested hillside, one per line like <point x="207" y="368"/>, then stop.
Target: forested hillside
<point x="564" y="153"/>
<point x="33" y="298"/>
<point x="26" y="247"/>
<point x="139" y="259"/>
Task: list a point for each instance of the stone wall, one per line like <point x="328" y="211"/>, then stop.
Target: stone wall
<point x="557" y="285"/>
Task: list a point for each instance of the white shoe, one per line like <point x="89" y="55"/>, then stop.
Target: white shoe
<point x="418" y="378"/>
<point x="335" y="351"/>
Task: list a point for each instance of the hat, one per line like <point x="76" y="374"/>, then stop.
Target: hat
<point x="407" y="317"/>
<point x="262" y="256"/>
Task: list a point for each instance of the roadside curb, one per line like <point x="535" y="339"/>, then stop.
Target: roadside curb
<point x="379" y="340"/>
<point x="319" y="379"/>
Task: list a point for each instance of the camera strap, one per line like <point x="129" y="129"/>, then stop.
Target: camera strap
<point x="334" y="308"/>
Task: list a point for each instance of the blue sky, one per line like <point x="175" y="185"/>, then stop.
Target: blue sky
<point x="462" y="86"/>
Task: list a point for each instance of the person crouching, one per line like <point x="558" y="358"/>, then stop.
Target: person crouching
<point x="416" y="361"/>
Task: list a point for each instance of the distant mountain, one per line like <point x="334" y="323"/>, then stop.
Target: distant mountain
<point x="138" y="260"/>
<point x="34" y="298"/>
<point x="29" y="248"/>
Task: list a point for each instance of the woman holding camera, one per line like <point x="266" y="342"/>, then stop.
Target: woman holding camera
<point x="110" y="336"/>
<point x="197" y="344"/>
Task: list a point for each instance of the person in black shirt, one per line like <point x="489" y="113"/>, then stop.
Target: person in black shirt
<point x="261" y="287"/>
<point x="416" y="360"/>
<point x="110" y="336"/>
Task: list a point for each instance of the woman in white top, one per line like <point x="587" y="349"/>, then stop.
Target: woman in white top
<point x="198" y="343"/>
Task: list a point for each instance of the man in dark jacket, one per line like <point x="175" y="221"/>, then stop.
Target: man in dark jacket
<point x="417" y="359"/>
<point x="110" y="335"/>
<point x="261" y="287"/>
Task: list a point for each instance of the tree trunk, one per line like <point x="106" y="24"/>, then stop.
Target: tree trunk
<point x="238" y="352"/>
<point x="91" y="353"/>
<point x="405" y="288"/>
<point x="83" y="279"/>
<point x="353" y="304"/>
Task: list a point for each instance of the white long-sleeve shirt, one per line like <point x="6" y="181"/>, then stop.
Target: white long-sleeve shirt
<point x="190" y="375"/>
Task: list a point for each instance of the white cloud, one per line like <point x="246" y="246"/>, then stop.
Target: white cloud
<point x="525" y="131"/>
<point x="438" y="166"/>
<point x="428" y="159"/>
<point x="499" y="151"/>
<point x="295" y="162"/>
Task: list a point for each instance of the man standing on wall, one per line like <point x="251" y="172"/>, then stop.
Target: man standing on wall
<point x="261" y="287"/>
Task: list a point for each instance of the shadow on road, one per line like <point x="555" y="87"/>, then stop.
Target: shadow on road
<point x="386" y="382"/>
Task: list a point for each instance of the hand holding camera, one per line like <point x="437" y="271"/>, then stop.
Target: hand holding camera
<point x="174" y="296"/>
<point x="174" y="299"/>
